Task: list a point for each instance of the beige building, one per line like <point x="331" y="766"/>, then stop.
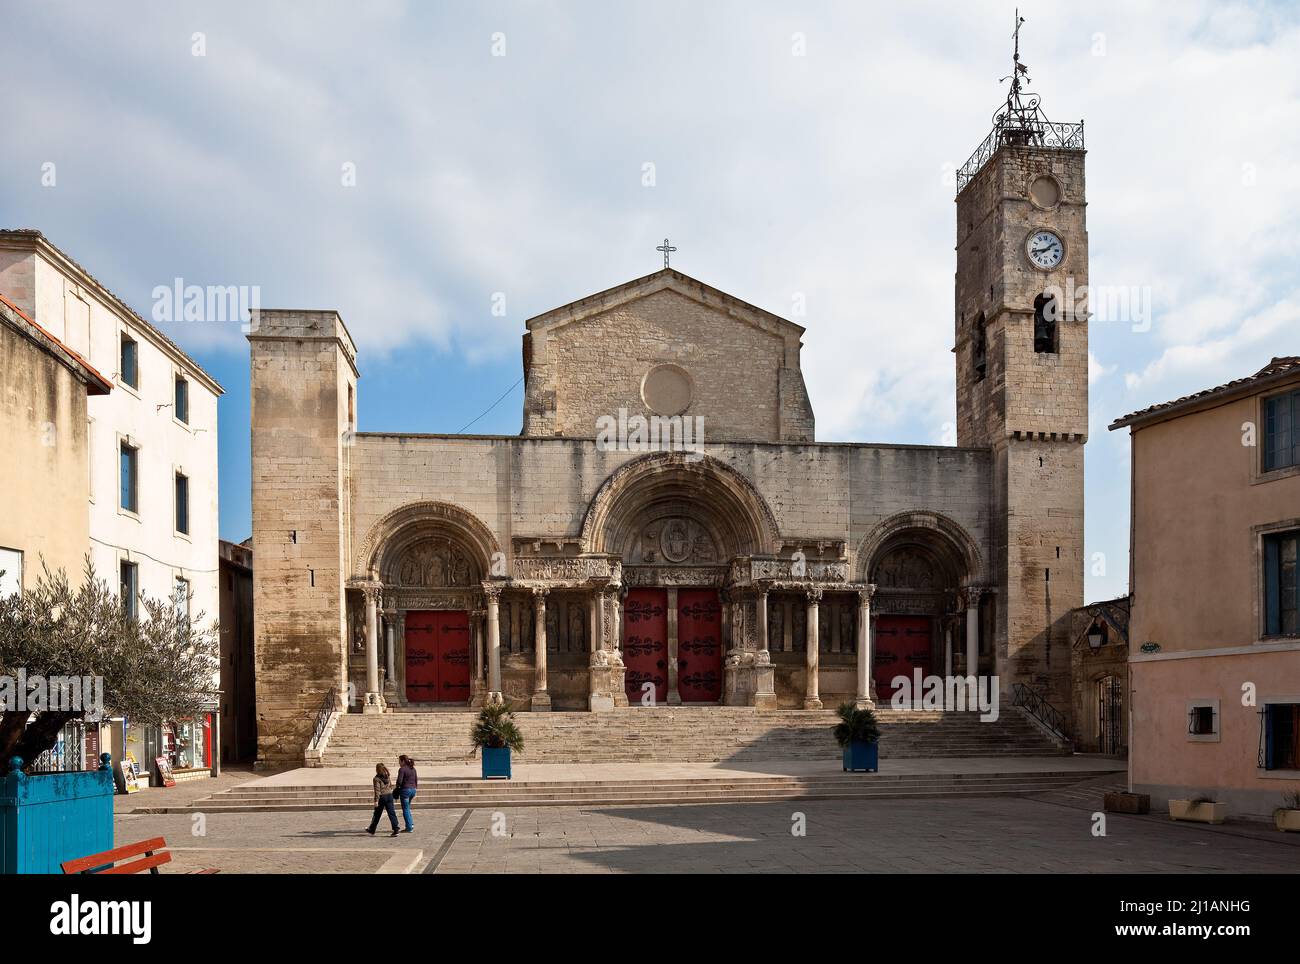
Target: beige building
<point x="588" y="564"/>
<point x="1214" y="639"/>
<point x="43" y="432"/>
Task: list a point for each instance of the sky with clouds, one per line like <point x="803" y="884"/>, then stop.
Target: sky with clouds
<point x="803" y="154"/>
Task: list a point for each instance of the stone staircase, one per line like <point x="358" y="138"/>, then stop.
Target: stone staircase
<point x="711" y="734"/>
<point x="761" y="788"/>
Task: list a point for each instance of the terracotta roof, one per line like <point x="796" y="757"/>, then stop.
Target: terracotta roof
<point x="1277" y="369"/>
<point x="96" y="384"/>
<point x="36" y="236"/>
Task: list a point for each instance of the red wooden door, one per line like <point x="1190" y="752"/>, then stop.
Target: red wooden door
<point x="645" y="645"/>
<point x="453" y="657"/>
<point x="437" y="656"/>
<point x="699" y="645"/>
<point x="902" y="644"/>
<point x="421" y="657"/>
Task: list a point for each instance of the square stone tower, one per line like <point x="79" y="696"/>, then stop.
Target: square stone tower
<point x="303" y="384"/>
<point x="1021" y="352"/>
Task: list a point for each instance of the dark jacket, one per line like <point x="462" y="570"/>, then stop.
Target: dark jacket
<point x="406" y="779"/>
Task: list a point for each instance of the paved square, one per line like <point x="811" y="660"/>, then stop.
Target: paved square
<point x="981" y="835"/>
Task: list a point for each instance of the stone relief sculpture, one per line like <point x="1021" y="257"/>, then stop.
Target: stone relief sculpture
<point x="676" y="541"/>
<point x="434" y="563"/>
<point x="906" y="569"/>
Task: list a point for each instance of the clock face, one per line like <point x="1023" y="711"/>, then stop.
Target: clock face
<point x="1045" y="250"/>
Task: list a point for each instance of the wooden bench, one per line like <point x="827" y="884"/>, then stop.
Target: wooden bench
<point x="153" y="853"/>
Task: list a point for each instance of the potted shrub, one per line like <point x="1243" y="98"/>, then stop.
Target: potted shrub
<point x="1287" y="816"/>
<point x="858" y="734"/>
<point x="1199" y="809"/>
<point x="496" y="734"/>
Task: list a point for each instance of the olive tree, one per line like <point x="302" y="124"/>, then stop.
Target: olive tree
<point x="154" y="666"/>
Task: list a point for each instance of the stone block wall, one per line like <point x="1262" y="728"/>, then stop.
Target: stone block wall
<point x="303" y="384"/>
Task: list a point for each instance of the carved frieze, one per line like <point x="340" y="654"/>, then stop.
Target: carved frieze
<point x="571" y="569"/>
<point x="675" y="576"/>
<point x="744" y="571"/>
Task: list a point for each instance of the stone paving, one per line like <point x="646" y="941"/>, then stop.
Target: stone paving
<point x="954" y="836"/>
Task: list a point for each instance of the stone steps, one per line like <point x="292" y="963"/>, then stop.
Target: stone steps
<point x="628" y="792"/>
<point x="677" y="734"/>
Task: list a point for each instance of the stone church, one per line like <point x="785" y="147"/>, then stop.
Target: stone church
<point x="759" y="566"/>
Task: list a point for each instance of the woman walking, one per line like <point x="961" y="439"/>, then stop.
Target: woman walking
<point x="383" y="800"/>
<point x="407" y="783"/>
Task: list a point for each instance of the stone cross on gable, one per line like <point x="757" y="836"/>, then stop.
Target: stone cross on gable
<point x="667" y="249"/>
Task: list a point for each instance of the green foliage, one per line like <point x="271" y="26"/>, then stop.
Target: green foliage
<point x="496" y="728"/>
<point x="159" y="666"/>
<point x="856" y="725"/>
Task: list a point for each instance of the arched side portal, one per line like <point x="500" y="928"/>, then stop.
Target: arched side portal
<point x="926" y="613"/>
<point x="422" y="568"/>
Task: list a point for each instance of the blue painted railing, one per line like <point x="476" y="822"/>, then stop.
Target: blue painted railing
<point x="47" y="818"/>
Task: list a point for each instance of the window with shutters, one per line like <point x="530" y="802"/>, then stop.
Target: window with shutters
<point x="1279" y="736"/>
<point x="1280" y="583"/>
<point x="1281" y="431"/>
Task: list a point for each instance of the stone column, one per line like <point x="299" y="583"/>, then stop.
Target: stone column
<point x="374" y="699"/>
<point x="764" y="676"/>
<point x="864" y="647"/>
<point x="973" y="631"/>
<point x="390" y="640"/>
<point x="541" y="698"/>
<point x="606" y="671"/>
<point x="674" y="696"/>
<point x="477" y="685"/>
<point x="947" y="646"/>
<point x="811" y="699"/>
<point x="493" y="594"/>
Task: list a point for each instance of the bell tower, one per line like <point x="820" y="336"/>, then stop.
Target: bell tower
<point x="1021" y="350"/>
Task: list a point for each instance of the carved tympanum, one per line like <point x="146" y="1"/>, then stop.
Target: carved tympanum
<point x="434" y="563"/>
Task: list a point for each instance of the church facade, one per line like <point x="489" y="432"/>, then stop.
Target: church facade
<point x="588" y="564"/>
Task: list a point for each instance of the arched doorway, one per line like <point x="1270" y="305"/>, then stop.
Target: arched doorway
<point x="919" y="563"/>
<point x="676" y="521"/>
<point x="430" y="560"/>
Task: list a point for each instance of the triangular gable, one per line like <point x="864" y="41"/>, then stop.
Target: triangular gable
<point x="665" y="279"/>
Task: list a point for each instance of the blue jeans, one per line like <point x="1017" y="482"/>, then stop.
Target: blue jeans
<point x="407" y="795"/>
<point x="385" y="803"/>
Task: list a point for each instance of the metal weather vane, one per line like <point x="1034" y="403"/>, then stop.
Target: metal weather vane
<point x="667" y="249"/>
<point x="1021" y="113"/>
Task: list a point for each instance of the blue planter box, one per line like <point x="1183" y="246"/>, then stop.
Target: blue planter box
<point x="861" y="756"/>
<point x="47" y="818"/>
<point x="496" y="763"/>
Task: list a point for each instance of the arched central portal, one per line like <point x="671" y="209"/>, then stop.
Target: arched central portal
<point x="676" y="522"/>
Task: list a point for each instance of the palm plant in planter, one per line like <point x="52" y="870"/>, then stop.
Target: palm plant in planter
<point x="496" y="734"/>
<point x="858" y="734"/>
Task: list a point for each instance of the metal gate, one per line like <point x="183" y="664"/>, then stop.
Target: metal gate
<point x="1110" y="714"/>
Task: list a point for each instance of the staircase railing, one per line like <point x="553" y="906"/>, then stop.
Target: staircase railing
<point x="327" y="709"/>
<point x="1036" y="705"/>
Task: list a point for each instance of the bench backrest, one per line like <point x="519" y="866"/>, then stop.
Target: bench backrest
<point x="152" y="853"/>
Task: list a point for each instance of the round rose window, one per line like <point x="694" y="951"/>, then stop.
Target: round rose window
<point x="666" y="390"/>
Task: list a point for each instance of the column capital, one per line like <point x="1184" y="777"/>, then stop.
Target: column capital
<point x="372" y="591"/>
<point x="540" y="593"/>
<point x="866" y="593"/>
<point x="814" y="593"/>
<point x="492" y="591"/>
<point x="971" y="595"/>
